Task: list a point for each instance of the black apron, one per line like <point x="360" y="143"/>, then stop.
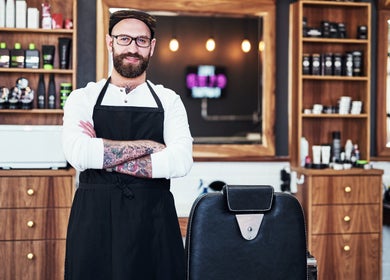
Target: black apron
<point x="120" y="226"/>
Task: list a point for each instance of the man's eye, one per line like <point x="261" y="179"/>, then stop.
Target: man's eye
<point x="124" y="39"/>
<point x="142" y="40"/>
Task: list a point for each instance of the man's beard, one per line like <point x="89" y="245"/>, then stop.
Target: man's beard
<point x="130" y="70"/>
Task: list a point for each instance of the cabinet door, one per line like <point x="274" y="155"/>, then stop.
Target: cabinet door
<point x="347" y="257"/>
<point x="47" y="191"/>
<point x="346" y="189"/>
<point x="356" y="218"/>
<point x="32" y="260"/>
<point x="29" y="224"/>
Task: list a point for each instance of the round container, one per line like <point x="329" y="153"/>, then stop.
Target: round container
<point x="65" y="90"/>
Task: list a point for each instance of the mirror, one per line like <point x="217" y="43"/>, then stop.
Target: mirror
<point x="260" y="8"/>
<point x="383" y="93"/>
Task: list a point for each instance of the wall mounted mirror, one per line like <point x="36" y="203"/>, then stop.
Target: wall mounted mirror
<point x="383" y="94"/>
<point x="264" y="10"/>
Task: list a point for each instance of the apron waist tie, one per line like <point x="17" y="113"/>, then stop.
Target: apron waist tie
<point x="127" y="189"/>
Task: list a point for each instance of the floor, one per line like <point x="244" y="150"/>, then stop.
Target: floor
<point x="386" y="253"/>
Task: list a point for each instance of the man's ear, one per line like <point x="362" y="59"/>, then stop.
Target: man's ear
<point x="109" y="42"/>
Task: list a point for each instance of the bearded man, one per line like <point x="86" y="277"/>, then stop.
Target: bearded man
<point x="127" y="138"/>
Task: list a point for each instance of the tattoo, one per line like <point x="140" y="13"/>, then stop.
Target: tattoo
<point x="140" y="167"/>
<point x="122" y="152"/>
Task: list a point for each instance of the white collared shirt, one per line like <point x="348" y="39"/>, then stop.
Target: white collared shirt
<point x="84" y="152"/>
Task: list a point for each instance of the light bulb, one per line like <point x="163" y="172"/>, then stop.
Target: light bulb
<point x="174" y="45"/>
<point x="210" y="44"/>
<point x="261" y="46"/>
<point x="246" y="45"/>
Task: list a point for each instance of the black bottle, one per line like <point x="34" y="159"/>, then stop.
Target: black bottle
<point x="4" y="55"/>
<point x="52" y="98"/>
<point x="41" y="93"/>
<point x="17" y="56"/>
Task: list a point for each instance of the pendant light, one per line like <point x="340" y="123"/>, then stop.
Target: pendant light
<point x="246" y="44"/>
<point x="210" y="44"/>
<point x="174" y="43"/>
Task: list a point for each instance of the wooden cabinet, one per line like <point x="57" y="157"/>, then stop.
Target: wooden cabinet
<point x="40" y="37"/>
<point x="343" y="208"/>
<point x="324" y="88"/>
<point x="343" y="213"/>
<point x="34" y="212"/>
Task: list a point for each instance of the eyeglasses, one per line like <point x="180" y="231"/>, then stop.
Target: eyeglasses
<point x="125" y="40"/>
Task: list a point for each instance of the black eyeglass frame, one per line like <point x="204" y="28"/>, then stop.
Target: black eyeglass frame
<point x="135" y="39"/>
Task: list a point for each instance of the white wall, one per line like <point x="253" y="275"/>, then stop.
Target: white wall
<point x="186" y="189"/>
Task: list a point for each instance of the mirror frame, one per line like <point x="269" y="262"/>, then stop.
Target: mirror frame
<point x="264" y="8"/>
<point x="381" y="121"/>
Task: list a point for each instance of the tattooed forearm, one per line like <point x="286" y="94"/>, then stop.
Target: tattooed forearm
<point x="140" y="167"/>
<point x="121" y="152"/>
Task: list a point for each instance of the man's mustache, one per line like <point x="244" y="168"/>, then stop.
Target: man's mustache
<point x="135" y="55"/>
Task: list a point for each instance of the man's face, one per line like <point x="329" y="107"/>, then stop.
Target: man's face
<point x="130" y="61"/>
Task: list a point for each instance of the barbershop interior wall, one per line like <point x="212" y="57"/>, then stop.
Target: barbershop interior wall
<point x="86" y="66"/>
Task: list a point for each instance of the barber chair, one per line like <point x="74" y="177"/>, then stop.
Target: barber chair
<point x="246" y="233"/>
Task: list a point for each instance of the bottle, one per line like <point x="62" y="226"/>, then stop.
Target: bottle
<point x="348" y="150"/>
<point x="32" y="57"/>
<point x="2" y="13"/>
<point x="10" y="13"/>
<point x="4" y="55"/>
<point x="336" y="146"/>
<point x="41" y="93"/>
<point x="304" y="150"/>
<point x="20" y="14"/>
<point x="17" y="56"/>
<point x="51" y="93"/>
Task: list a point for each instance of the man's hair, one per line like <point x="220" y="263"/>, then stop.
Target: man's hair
<point x="146" y="18"/>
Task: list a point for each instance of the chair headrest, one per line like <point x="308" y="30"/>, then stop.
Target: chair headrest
<point x="249" y="198"/>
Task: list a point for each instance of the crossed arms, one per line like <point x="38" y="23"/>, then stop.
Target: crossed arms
<point x="128" y="157"/>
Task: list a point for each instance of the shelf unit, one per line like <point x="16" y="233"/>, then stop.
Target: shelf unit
<point x="35" y="203"/>
<point x="307" y="90"/>
<point x="343" y="208"/>
<point x="39" y="37"/>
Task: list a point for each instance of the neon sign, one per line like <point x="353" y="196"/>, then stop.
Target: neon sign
<point x="206" y="81"/>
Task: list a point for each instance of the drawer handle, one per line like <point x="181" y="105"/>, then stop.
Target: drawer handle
<point x="347" y="218"/>
<point x="30" y="224"/>
<point x="30" y="256"/>
<point x="347" y="248"/>
<point x="348" y="189"/>
<point x="30" y="192"/>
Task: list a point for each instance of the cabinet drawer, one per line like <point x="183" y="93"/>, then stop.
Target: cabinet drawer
<point x="32" y="260"/>
<point x="36" y="191"/>
<point x="346" y="189"/>
<point x="26" y="224"/>
<point x="347" y="256"/>
<point x="364" y="218"/>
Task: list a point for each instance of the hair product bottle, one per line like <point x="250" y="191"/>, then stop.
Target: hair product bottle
<point x="32" y="57"/>
<point x="2" y="13"/>
<point x="4" y="55"/>
<point x="41" y="93"/>
<point x="52" y="98"/>
<point x="10" y="13"/>
<point x="17" y="56"/>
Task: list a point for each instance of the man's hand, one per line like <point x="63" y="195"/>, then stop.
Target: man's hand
<point x="88" y="129"/>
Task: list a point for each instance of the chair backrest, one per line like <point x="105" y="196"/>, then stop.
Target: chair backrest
<point x="244" y="233"/>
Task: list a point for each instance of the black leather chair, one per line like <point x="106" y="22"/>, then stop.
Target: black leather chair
<point x="246" y="233"/>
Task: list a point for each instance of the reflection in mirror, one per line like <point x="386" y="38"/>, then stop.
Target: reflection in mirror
<point x="238" y="125"/>
<point x="388" y="86"/>
<point x="383" y="94"/>
<point x="221" y="88"/>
